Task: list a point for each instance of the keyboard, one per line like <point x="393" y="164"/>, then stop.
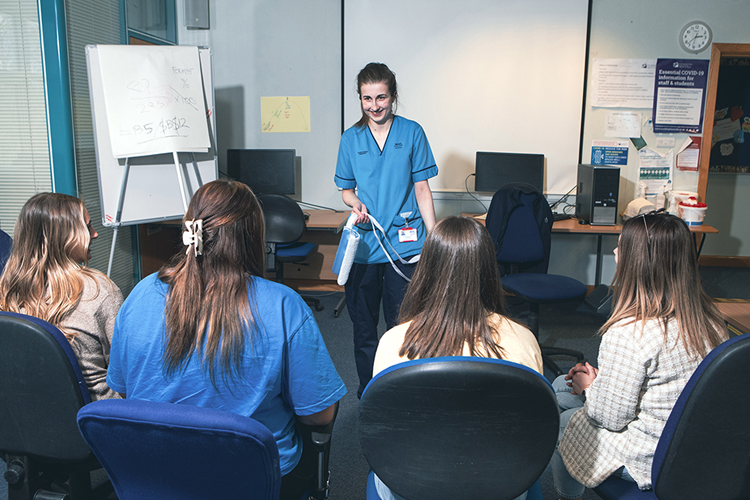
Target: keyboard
<point x="558" y="216"/>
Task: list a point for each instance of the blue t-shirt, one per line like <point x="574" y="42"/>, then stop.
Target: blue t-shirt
<point x="286" y="369"/>
<point x="385" y="183"/>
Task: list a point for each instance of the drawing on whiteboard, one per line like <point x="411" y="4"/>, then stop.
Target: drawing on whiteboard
<point x="285" y="114"/>
<point x="154" y="100"/>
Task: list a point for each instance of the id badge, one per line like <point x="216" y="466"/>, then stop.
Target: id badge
<point x="407" y="234"/>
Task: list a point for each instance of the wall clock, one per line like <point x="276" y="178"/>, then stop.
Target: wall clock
<point x="695" y="37"/>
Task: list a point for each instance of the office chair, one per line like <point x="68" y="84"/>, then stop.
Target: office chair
<point x="285" y="224"/>
<point x="6" y="242"/>
<point x="173" y="451"/>
<point x="41" y="390"/>
<point x="458" y="427"/>
<point x="703" y="450"/>
<point x="520" y="222"/>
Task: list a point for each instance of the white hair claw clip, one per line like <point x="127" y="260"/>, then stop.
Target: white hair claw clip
<point x="193" y="236"/>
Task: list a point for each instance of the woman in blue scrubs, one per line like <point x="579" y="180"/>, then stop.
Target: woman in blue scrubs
<point x="383" y="167"/>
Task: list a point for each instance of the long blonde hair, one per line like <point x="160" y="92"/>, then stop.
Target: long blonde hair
<point x="209" y="304"/>
<point x="657" y="277"/>
<point x="42" y="277"/>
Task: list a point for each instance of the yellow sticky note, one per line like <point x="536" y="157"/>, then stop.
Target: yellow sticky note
<point x="285" y="114"/>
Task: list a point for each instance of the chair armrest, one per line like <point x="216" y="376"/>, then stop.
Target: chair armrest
<point x="319" y="436"/>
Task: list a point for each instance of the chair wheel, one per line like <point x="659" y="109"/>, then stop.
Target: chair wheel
<point x="319" y="307"/>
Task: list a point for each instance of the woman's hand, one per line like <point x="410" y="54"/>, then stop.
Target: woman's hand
<point x="580" y="377"/>
<point x="358" y="208"/>
<point x="361" y="213"/>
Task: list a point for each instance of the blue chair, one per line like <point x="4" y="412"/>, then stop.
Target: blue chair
<point x="6" y="242"/>
<point x="285" y="225"/>
<point x="458" y="427"/>
<point x="41" y="391"/>
<point x="520" y="222"/>
<point x="181" y="452"/>
<point x="704" y="449"/>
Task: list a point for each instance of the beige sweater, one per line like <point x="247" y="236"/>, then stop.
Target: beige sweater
<point x="93" y="322"/>
<point x="517" y="341"/>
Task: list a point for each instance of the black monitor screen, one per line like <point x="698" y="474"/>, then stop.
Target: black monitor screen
<point x="494" y="171"/>
<point x="266" y="171"/>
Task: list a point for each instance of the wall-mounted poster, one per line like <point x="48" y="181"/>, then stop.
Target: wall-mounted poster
<point x="730" y="140"/>
<point x="679" y="95"/>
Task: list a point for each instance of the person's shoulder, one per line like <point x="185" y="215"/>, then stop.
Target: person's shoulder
<point x="353" y="131"/>
<point x="406" y="123"/>
<point x="268" y="291"/>
<point x="97" y="285"/>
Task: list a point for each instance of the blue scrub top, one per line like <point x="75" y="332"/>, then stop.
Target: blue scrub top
<point x="385" y="183"/>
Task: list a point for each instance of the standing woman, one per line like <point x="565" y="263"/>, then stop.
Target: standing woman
<point x="388" y="160"/>
<point x="46" y="277"/>
<point x="207" y="330"/>
<point x="662" y="325"/>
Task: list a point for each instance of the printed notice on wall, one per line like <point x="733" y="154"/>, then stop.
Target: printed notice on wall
<point x="679" y="95"/>
<point x="655" y="170"/>
<point x="623" y="83"/>
<point x="609" y="152"/>
<point x="154" y="99"/>
<point x="285" y="114"/>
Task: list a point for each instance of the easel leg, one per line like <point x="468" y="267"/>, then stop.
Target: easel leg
<point x="197" y="170"/>
<point x="180" y="180"/>
<point x="118" y="214"/>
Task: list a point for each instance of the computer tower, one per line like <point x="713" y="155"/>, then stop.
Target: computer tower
<point x="596" y="199"/>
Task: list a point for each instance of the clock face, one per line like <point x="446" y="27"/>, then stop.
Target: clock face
<point x="695" y="37"/>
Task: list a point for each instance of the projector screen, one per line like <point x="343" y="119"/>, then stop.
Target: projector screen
<point x="478" y="75"/>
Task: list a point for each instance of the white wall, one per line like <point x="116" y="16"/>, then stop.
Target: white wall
<point x="277" y="48"/>
<point x="285" y="47"/>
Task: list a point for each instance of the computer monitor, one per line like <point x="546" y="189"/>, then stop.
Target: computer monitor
<point x="494" y="171"/>
<point x="266" y="171"/>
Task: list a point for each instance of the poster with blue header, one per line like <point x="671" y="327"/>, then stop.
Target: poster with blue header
<point x="679" y="95"/>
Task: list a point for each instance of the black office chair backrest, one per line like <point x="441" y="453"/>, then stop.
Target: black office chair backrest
<point x="41" y="391"/>
<point x="704" y="450"/>
<point x="285" y="221"/>
<point x="519" y="221"/>
<point x="458" y="427"/>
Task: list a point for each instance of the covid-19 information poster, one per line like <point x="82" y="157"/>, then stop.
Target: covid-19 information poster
<point x="679" y="95"/>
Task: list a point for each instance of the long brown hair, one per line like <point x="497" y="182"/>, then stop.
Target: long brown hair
<point x="208" y="305"/>
<point x="657" y="277"/>
<point x="455" y="289"/>
<point x="376" y="73"/>
<point x="42" y="277"/>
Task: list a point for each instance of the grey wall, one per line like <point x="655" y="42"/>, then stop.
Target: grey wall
<point x="272" y="48"/>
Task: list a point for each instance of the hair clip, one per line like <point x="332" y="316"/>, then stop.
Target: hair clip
<point x="193" y="236"/>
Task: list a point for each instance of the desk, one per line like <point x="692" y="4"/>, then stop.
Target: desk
<point x="737" y="314"/>
<point x="572" y="226"/>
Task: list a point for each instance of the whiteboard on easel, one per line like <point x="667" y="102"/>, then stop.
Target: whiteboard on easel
<point x="147" y="100"/>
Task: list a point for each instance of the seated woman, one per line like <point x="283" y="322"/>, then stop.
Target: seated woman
<point x="455" y="306"/>
<point x="45" y="278"/>
<point x="208" y="331"/>
<point x="662" y="325"/>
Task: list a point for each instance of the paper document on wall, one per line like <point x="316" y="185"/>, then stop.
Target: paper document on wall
<point x="623" y="83"/>
<point x="154" y="99"/>
<point x="655" y="170"/>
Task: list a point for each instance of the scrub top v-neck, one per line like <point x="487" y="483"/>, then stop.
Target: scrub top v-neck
<point x="384" y="180"/>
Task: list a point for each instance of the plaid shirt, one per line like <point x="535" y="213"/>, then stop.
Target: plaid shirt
<point x="640" y="378"/>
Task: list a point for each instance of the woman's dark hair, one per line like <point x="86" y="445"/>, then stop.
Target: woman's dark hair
<point x="657" y="277"/>
<point x="208" y="306"/>
<point x="453" y="293"/>
<point x="376" y="73"/>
